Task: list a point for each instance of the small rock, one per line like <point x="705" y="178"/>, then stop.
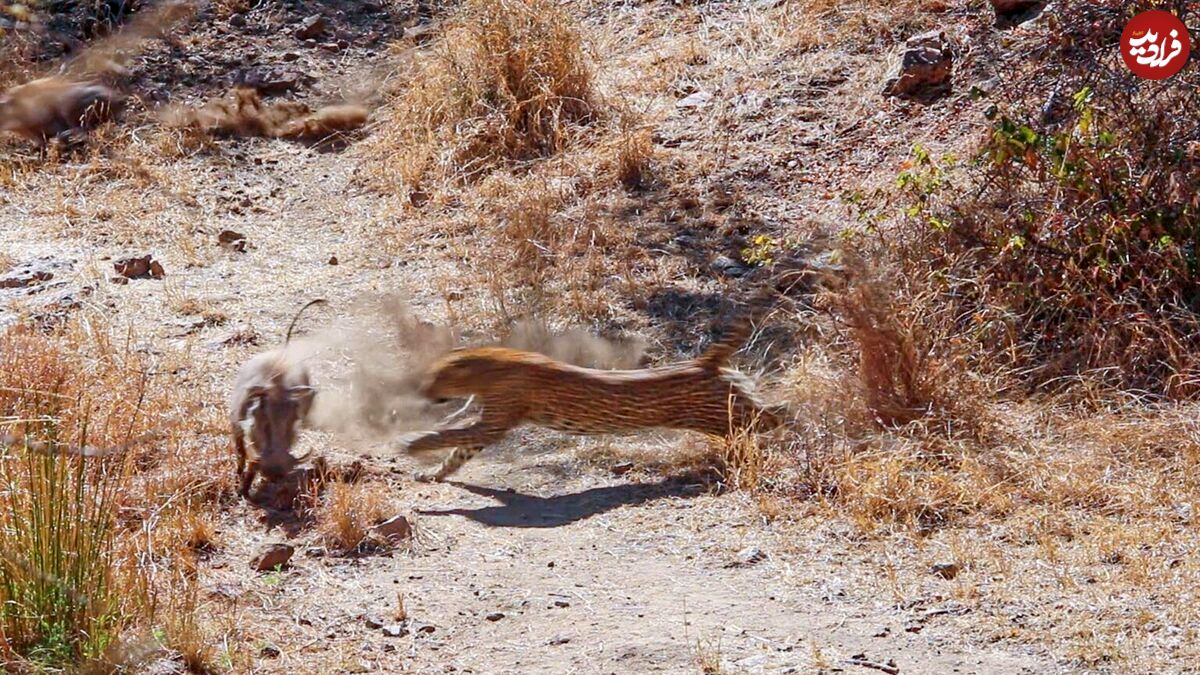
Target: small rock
<point x="311" y="27"/>
<point x="1184" y="511"/>
<point x="946" y="570"/>
<point x="622" y="468"/>
<point x="33" y="275"/>
<point x="495" y="616"/>
<point x="561" y="604"/>
<point x="272" y="80"/>
<point x="426" y="628"/>
<point x="289" y="57"/>
<point x="395" y="529"/>
<point x="273" y="556"/>
<point x="1009" y="9"/>
<point x="333" y="260"/>
<point x="749" y="556"/>
<point x="234" y="241"/>
<point x="729" y="267"/>
<point x="558" y="641"/>
<point x="26" y="276"/>
<point x="238" y="20"/>
<point x="696" y="100"/>
<point x="395" y="630"/>
<point x="924" y="69"/>
<point x="331" y="47"/>
<point x="139" y="267"/>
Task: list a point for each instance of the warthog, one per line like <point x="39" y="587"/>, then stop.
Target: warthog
<point x="271" y="399"/>
<point x="53" y="107"/>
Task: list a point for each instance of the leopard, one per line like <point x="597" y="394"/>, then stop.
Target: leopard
<point x="515" y="388"/>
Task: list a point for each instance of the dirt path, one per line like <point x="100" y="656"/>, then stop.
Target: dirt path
<point x="541" y="564"/>
<point x="539" y="560"/>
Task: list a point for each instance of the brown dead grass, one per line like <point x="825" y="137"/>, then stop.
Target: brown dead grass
<point x="861" y="24"/>
<point x="1056" y="506"/>
<point x="507" y="82"/>
<point x="348" y="513"/>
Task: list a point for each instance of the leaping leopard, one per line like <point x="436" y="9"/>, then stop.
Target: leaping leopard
<point x="517" y="387"/>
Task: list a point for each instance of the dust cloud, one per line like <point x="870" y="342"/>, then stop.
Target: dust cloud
<point x="371" y="361"/>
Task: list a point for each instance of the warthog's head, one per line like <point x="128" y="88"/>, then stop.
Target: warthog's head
<point x="271" y="418"/>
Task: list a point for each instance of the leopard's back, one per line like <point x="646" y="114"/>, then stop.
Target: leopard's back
<point x="516" y="388"/>
<point x="588" y="401"/>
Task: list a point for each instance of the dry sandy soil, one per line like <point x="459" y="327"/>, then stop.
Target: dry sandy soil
<point x="546" y="554"/>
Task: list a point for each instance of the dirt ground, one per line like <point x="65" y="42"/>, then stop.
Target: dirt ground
<point x="546" y="554"/>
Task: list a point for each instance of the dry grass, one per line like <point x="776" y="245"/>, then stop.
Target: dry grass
<point x="507" y="82"/>
<point x="348" y="513"/>
<point x="1076" y="510"/>
<point x="85" y="388"/>
<point x="863" y="25"/>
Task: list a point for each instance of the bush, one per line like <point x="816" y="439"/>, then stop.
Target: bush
<point x="507" y="82"/>
<point x="1071" y="249"/>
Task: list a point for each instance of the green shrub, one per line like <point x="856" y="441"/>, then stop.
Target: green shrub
<point x="1068" y="248"/>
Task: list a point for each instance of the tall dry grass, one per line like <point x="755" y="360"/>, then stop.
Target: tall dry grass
<point x="89" y="543"/>
<point x="507" y="82"/>
<point x="56" y="578"/>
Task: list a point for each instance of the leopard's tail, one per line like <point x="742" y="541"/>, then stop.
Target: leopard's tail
<point x="717" y="356"/>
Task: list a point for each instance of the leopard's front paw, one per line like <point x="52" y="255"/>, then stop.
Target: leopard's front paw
<point x="410" y="442"/>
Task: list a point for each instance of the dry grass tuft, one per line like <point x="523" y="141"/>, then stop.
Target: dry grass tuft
<point x="183" y="633"/>
<point x="507" y="82"/>
<point x="635" y="159"/>
<point x="79" y="386"/>
<point x="349" y="512"/>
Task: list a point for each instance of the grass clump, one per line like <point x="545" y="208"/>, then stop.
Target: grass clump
<point x="80" y="572"/>
<point x="57" y="524"/>
<point x="59" y="598"/>
<point x="349" y="514"/>
<point x="507" y="82"/>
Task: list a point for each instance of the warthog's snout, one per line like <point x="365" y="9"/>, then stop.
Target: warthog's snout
<point x="270" y="420"/>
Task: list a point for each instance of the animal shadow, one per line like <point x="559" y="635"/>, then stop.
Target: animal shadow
<point x="521" y="510"/>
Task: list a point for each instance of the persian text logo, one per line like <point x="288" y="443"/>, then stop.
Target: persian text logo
<point x="1155" y="45"/>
